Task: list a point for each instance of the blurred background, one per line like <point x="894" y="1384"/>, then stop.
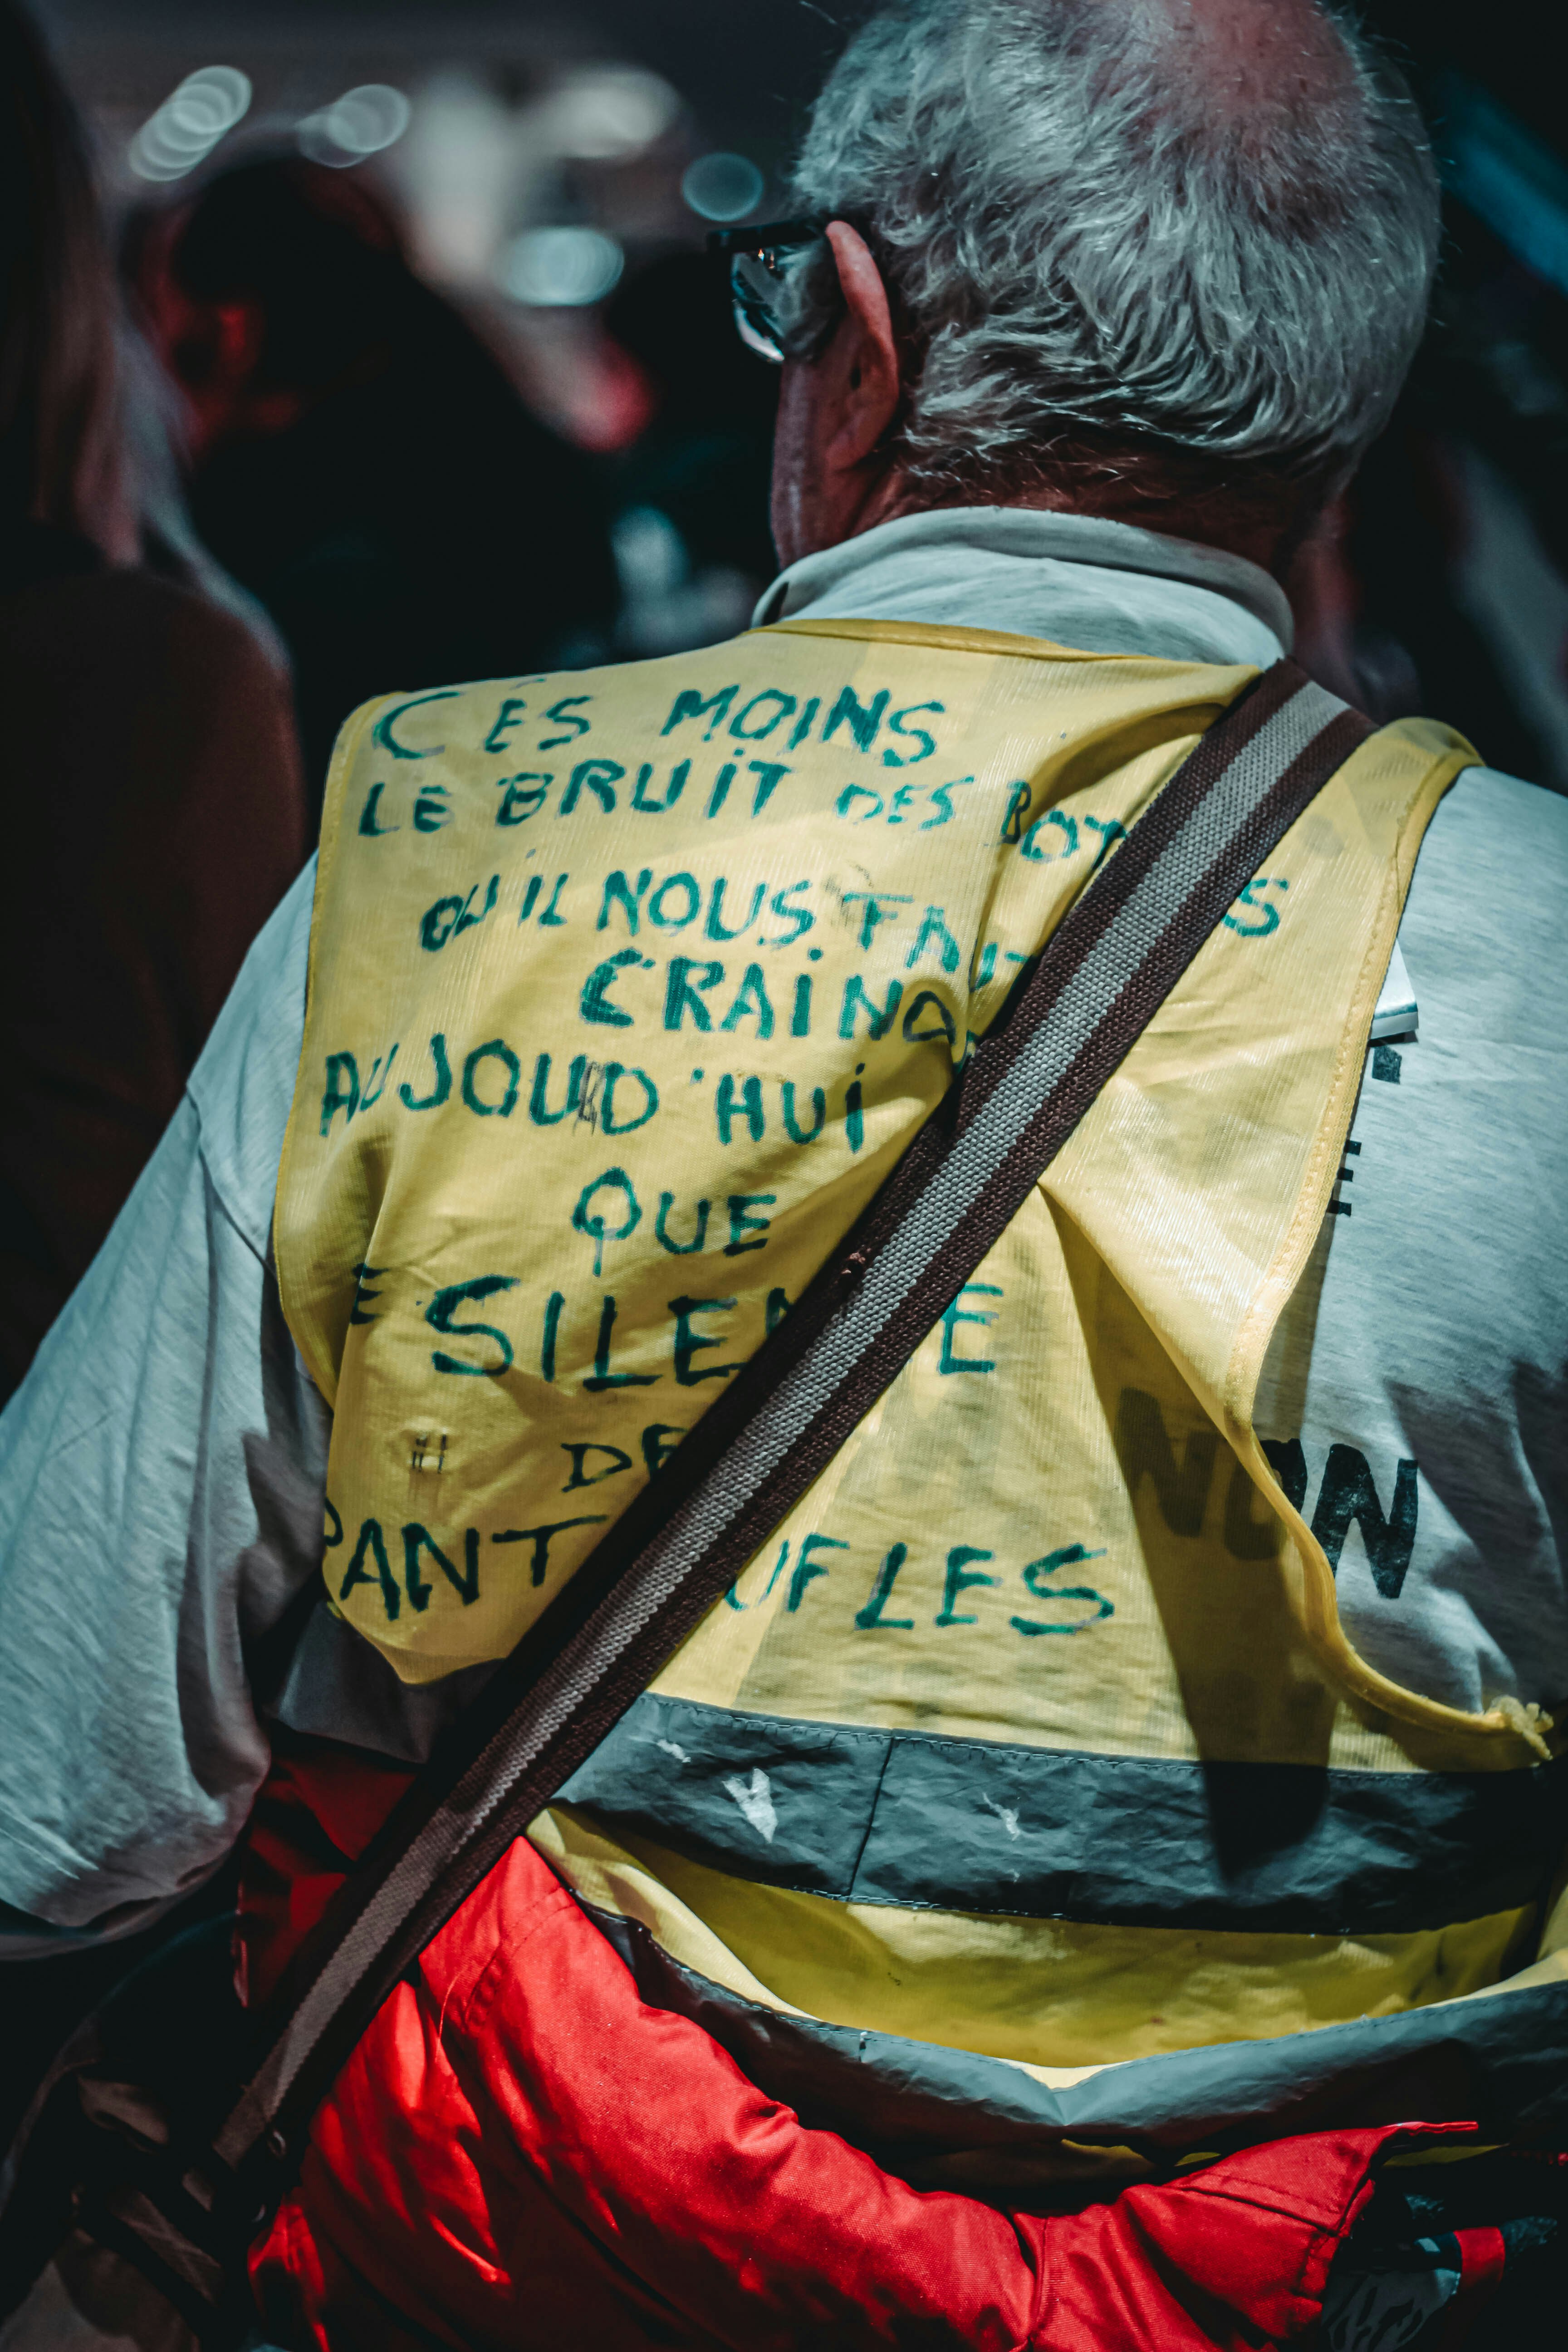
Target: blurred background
<point x="356" y="236"/>
<point x="545" y="171"/>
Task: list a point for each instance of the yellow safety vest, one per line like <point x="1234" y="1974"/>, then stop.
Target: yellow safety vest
<point x="1033" y="1731"/>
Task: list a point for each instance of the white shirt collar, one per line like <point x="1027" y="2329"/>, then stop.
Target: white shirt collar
<point x="1104" y="587"/>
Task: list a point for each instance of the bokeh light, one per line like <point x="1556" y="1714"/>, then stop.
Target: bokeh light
<point x="362" y="122"/>
<point x="609" y="114"/>
<point x="561" y="269"/>
<point x="722" y="188"/>
<point x="189" y="122"/>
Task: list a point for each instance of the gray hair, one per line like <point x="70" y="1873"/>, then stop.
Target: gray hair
<point x="1092" y="231"/>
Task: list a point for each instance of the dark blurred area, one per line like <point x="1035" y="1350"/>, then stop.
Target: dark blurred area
<point x="690" y="490"/>
<point x="359" y="459"/>
<point x="384" y="217"/>
<point x="154" y="811"/>
<point x="1440" y="583"/>
<point x="453" y="384"/>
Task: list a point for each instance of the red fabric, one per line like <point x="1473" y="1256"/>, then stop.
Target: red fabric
<point x="1482" y="2257"/>
<point x="319" y="1809"/>
<point x="523" y="2154"/>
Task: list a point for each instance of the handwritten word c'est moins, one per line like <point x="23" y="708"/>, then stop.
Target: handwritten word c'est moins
<point x="865" y="728"/>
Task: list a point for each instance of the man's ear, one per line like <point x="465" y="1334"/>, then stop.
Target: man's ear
<point x="867" y="354"/>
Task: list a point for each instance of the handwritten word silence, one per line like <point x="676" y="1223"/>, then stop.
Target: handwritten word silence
<point x="487" y="1351"/>
<point x="474" y="1349"/>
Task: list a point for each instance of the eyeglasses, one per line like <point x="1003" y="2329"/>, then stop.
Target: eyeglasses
<point x="779" y="295"/>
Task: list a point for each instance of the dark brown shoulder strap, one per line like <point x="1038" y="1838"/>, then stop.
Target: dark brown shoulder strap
<point x="1069" y="1024"/>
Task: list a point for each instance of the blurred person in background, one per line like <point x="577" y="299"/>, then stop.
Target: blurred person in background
<point x="359" y="459"/>
<point x="691" y="533"/>
<point x="155" y="813"/>
<point x="1372" y="592"/>
<point x="1122" y="1799"/>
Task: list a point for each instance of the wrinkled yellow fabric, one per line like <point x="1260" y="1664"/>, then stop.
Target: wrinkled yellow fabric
<point x="648" y="879"/>
<point x="762" y="894"/>
<point x="627" y="989"/>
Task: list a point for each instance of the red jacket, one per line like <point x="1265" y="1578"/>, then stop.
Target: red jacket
<point x="523" y="2154"/>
